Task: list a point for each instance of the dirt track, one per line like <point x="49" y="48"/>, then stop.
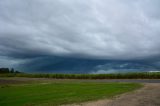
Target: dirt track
<point x="149" y="95"/>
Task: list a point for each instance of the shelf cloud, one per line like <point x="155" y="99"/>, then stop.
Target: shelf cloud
<point x="95" y="29"/>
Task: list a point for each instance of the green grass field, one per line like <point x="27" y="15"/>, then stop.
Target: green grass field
<point x="57" y="93"/>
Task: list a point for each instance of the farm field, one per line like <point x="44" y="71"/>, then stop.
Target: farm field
<point x="44" y="92"/>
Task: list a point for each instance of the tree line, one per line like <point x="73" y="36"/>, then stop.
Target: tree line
<point x="7" y="70"/>
<point x="139" y="75"/>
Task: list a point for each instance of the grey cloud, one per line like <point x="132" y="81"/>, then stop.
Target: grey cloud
<point x="105" y="29"/>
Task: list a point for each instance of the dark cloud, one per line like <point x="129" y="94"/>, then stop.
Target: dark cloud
<point x="95" y="29"/>
<point x="80" y="65"/>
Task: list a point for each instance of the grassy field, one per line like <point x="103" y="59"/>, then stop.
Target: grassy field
<point x="139" y="75"/>
<point x="57" y="93"/>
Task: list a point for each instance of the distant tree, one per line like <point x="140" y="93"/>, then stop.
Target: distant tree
<point x="17" y="72"/>
<point x="12" y="70"/>
<point x="4" y="70"/>
<point x="7" y="70"/>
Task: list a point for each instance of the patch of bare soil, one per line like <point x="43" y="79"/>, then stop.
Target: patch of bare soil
<point x="149" y="95"/>
<point x="6" y="82"/>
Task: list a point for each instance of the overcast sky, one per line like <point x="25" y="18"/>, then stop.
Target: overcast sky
<point x="96" y="29"/>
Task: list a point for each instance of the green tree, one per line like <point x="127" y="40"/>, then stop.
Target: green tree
<point x="12" y="70"/>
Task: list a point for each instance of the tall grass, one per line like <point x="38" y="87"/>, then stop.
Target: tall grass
<point x="143" y="75"/>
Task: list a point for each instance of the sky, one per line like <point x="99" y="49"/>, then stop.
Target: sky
<point x="51" y="35"/>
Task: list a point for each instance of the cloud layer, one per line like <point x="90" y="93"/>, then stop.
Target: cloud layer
<point x="103" y="29"/>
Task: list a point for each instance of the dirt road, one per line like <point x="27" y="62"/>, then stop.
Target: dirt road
<point x="149" y="95"/>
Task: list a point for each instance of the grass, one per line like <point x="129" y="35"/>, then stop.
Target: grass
<point x="57" y="93"/>
<point x="139" y="75"/>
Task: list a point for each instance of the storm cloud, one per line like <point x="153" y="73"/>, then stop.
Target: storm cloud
<point x="95" y="29"/>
